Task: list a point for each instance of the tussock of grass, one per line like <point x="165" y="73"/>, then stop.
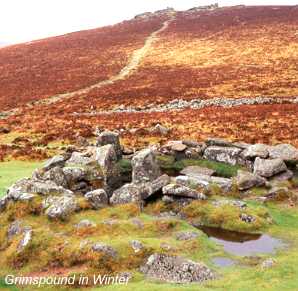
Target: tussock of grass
<point x="226" y="216"/>
<point x="221" y="169"/>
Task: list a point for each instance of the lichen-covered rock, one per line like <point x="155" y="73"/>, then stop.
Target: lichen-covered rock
<point x="110" y="138"/>
<point x="15" y="228"/>
<point x="256" y="150"/>
<point x="174" y="269"/>
<point x="30" y="186"/>
<point x="186" y="235"/>
<point x="27" y="238"/>
<point x="285" y="152"/>
<point x="183" y="191"/>
<point x="205" y="182"/>
<point x="78" y="158"/>
<point x="107" y="160"/>
<point x="60" y="207"/>
<point x="214" y="141"/>
<point x="229" y="155"/>
<point x="97" y="198"/>
<point x="105" y="249"/>
<point x="85" y="223"/>
<point x="193" y="171"/>
<point x="3" y="203"/>
<point x="55" y="161"/>
<point x="56" y="175"/>
<point x="137" y="193"/>
<point x="246" y="180"/>
<point x="284" y="176"/>
<point x="269" y="168"/>
<point x="145" y="167"/>
<point x="160" y="130"/>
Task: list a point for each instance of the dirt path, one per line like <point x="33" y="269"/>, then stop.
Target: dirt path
<point x="132" y="66"/>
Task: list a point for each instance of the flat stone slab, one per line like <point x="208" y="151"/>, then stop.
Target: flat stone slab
<point x="193" y="171"/>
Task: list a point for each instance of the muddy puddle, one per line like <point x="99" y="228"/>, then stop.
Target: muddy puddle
<point x="243" y="244"/>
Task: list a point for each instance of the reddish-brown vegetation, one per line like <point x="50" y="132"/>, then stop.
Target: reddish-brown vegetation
<point x="229" y="52"/>
<point x="40" y="69"/>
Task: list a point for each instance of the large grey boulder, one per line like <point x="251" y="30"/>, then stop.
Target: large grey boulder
<point x="110" y="138"/>
<point x="56" y="175"/>
<point x="183" y="191"/>
<point x="246" y="180"/>
<point x="107" y="160"/>
<point x="60" y="207"/>
<point x="137" y="193"/>
<point x="285" y="152"/>
<point x="193" y="171"/>
<point x="174" y="269"/>
<point x="269" y="168"/>
<point x="97" y="198"/>
<point x="55" y="161"/>
<point x="256" y="150"/>
<point x="29" y="186"/>
<point x="205" y="182"/>
<point x="144" y="167"/>
<point x="229" y="155"/>
<point x="78" y="158"/>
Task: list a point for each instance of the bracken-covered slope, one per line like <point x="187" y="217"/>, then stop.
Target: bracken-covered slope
<point x="230" y="52"/>
<point x="40" y="69"/>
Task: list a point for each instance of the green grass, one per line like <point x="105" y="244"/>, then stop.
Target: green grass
<point x="12" y="171"/>
<point x="168" y="163"/>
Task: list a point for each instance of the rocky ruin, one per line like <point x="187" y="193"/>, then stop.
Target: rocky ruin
<point x="92" y="173"/>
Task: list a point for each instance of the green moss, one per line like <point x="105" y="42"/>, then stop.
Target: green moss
<point x="125" y="166"/>
<point x="223" y="170"/>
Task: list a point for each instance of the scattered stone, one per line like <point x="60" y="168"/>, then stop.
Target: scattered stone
<point x="180" y="190"/>
<point x="246" y="180"/>
<point x="193" y="171"/>
<point x="145" y="167"/>
<point x="136" y="245"/>
<point x="269" y="168"/>
<point x="105" y="249"/>
<point x="278" y="193"/>
<point x="27" y="238"/>
<point x="186" y="235"/>
<point x="3" y="202"/>
<point x="60" y="207"/>
<point x="238" y="203"/>
<point x="268" y="263"/>
<point x="168" y="199"/>
<point x="14" y="229"/>
<point x="110" y="138"/>
<point x="160" y="130"/>
<point x="174" y="269"/>
<point x="85" y="223"/>
<point x="166" y="247"/>
<point x="256" y="150"/>
<point x="247" y="218"/>
<point x="97" y="198"/>
<point x="138" y="222"/>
